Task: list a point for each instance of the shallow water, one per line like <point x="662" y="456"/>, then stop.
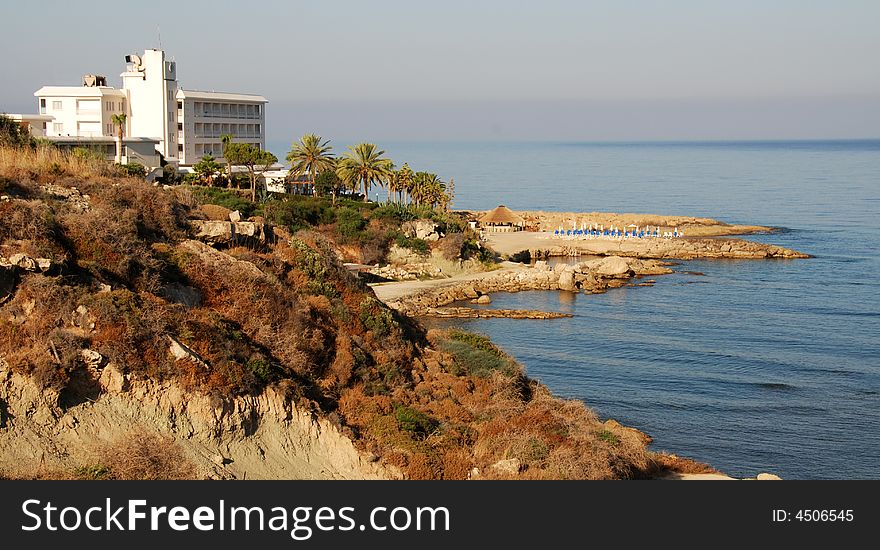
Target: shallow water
<point x="756" y="366"/>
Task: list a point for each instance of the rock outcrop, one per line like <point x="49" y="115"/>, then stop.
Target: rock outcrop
<point x="473" y="313"/>
<point x="669" y="249"/>
<point x="421" y="229"/>
<point x="259" y="437"/>
<point x="233" y="233"/>
<point x="591" y="276"/>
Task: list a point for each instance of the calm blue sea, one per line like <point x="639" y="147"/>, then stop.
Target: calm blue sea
<point x="756" y="366"/>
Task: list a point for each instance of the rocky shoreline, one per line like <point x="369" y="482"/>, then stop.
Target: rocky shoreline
<point x="473" y="313"/>
<point x="590" y="276"/>
<point x="672" y="249"/>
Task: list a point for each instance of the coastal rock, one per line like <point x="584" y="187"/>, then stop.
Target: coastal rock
<point x="112" y="380"/>
<point x="226" y="232"/>
<point x="82" y="319"/>
<point x="566" y="281"/>
<point x="182" y="294"/>
<point x="421" y="229"/>
<point x="508" y="467"/>
<point x="613" y="266"/>
<point x="27" y="263"/>
<point x="181" y="351"/>
<point x="92" y="358"/>
<point x="484" y="299"/>
<point x="72" y="195"/>
<point x="768" y="477"/>
<point x="217" y="259"/>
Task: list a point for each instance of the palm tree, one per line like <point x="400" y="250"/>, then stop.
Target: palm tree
<point x="401" y="182"/>
<point x="428" y="189"/>
<point x="364" y="165"/>
<point x="119" y="122"/>
<point x="312" y="156"/>
<point x="226" y="140"/>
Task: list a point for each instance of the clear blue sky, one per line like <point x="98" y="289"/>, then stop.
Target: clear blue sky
<point x="395" y="70"/>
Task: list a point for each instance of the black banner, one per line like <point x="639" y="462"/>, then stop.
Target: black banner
<point x="503" y="514"/>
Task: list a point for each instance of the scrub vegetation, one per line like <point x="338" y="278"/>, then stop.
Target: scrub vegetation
<point x="435" y="405"/>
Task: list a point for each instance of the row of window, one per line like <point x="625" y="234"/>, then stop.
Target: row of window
<point x="82" y="105"/>
<point x="213" y="149"/>
<point x="215" y="130"/>
<point x="224" y="110"/>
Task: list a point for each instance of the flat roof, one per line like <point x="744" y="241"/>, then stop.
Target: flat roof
<point x="78" y="91"/>
<point x="220" y="96"/>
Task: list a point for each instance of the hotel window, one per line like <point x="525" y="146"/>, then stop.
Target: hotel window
<point x="57" y="127"/>
<point x="179" y="126"/>
<point x="42" y="106"/>
<point x="56" y="105"/>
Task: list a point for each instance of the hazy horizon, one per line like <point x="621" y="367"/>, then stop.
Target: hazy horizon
<point x="567" y="71"/>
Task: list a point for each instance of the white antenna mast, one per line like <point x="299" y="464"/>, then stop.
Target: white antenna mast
<point x="159" y="32"/>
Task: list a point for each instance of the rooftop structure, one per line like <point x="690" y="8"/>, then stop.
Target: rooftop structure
<point x="501" y="220"/>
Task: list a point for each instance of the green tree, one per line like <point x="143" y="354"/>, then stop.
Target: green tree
<point x="226" y="141"/>
<point x="251" y="157"/>
<point x="364" y="165"/>
<point x="12" y="134"/>
<point x="119" y="122"/>
<point x="206" y="168"/>
<point x="429" y="190"/>
<point x="312" y="156"/>
<point x="401" y="182"/>
<point x="328" y="182"/>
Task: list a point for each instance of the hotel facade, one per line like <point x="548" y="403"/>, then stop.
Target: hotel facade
<point x="185" y="124"/>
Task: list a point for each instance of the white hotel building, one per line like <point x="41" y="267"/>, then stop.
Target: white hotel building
<point x="186" y="124"/>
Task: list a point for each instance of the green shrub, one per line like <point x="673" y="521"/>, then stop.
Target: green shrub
<point x="226" y="198"/>
<point x="349" y="223"/>
<point x="298" y="212"/>
<point x="476" y="355"/>
<point x="261" y="368"/>
<point x="608" y="437"/>
<point x="414" y="244"/>
<point x="376" y="317"/>
<point x="93" y="472"/>
<point x="133" y="169"/>
<point x="415" y="422"/>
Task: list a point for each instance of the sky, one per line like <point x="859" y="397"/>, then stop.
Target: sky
<point x="484" y="70"/>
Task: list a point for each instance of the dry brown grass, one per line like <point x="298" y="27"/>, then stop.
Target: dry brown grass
<point x="44" y="164"/>
<point x="663" y="463"/>
<point x="434" y="405"/>
<point x="144" y="455"/>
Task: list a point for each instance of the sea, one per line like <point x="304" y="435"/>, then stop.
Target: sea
<point x="748" y="365"/>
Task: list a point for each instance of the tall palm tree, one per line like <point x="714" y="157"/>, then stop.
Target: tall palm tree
<point x="119" y="122"/>
<point x="226" y="140"/>
<point x="429" y="190"/>
<point x="401" y="182"/>
<point x="364" y="164"/>
<point x="312" y="156"/>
